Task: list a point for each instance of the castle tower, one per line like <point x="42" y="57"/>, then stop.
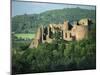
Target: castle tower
<point x="80" y="32"/>
<point x="84" y="22"/>
<point x="65" y="26"/>
<point x="37" y="39"/>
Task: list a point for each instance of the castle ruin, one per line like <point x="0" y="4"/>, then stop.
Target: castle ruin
<point x="77" y="31"/>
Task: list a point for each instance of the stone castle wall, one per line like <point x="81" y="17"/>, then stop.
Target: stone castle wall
<point x="78" y="31"/>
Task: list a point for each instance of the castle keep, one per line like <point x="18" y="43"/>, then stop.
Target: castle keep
<point x="76" y="31"/>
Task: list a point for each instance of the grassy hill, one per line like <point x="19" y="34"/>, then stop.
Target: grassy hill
<point x="28" y="23"/>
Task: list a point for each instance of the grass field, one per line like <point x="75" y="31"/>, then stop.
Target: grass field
<point x="25" y="36"/>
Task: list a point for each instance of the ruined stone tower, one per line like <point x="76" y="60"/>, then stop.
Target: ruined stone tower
<point x="65" y="26"/>
<point x="37" y="39"/>
<point x="77" y="31"/>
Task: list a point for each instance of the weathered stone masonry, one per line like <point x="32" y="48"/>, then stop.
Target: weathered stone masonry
<point x="77" y="31"/>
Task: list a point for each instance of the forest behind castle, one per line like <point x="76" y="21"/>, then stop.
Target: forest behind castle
<point x="57" y="56"/>
<point x="28" y="23"/>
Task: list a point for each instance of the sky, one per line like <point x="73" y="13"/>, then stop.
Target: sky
<point x="20" y="8"/>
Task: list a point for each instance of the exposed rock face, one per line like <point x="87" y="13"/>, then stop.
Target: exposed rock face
<point x="77" y="31"/>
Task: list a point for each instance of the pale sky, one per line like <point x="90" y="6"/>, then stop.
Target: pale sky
<point x="20" y="8"/>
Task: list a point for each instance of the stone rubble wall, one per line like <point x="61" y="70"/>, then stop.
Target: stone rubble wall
<point x="79" y="31"/>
